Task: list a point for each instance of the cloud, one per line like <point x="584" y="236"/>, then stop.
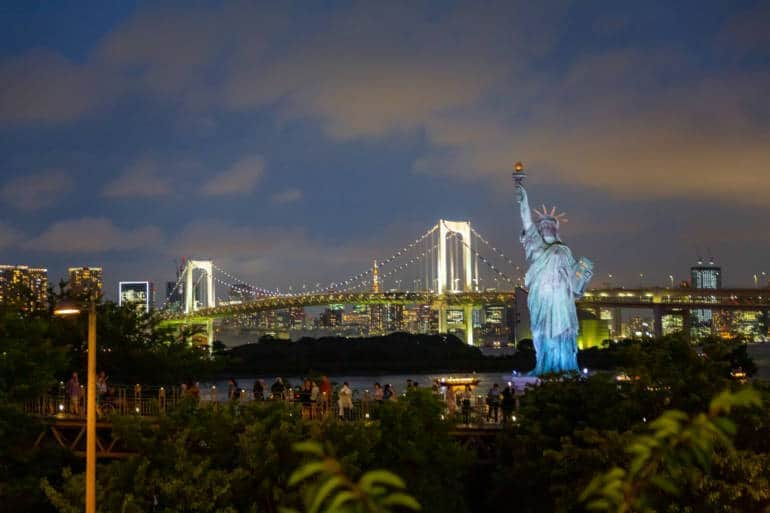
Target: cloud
<point x="240" y="179"/>
<point x="93" y="235"/>
<point x="140" y="179"/>
<point x="290" y="195"/>
<point x="35" y="191"/>
<point x="9" y="236"/>
<point x="46" y="87"/>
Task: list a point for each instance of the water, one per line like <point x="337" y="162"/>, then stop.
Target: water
<point x="361" y="383"/>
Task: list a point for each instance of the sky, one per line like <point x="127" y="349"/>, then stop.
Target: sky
<point x="294" y="142"/>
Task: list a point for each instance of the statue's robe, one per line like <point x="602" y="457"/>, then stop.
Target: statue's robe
<point x="551" y="301"/>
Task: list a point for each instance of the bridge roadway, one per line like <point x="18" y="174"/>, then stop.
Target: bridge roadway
<point x="464" y="299"/>
<point x="664" y="298"/>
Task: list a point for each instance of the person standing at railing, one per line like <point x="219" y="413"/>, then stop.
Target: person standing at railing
<point x="467" y="396"/>
<point x="508" y="403"/>
<point x="258" y="390"/>
<point x="378" y="392"/>
<point x="493" y="401"/>
<point x="277" y="389"/>
<point x="73" y="391"/>
<point x="232" y="389"/>
<point x="346" y="401"/>
<point x="451" y="402"/>
<point x="315" y="396"/>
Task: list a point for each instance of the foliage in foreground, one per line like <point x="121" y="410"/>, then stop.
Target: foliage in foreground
<point x="239" y="458"/>
<point x="674" y="456"/>
<point x="330" y="490"/>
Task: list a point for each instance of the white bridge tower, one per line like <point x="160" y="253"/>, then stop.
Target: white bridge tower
<point x="446" y="281"/>
<point x="206" y="266"/>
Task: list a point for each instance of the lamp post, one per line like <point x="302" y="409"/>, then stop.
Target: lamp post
<point x="66" y="308"/>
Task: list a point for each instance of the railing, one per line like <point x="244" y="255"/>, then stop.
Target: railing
<point x="157" y="401"/>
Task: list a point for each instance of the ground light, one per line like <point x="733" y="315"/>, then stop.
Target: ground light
<point x="70" y="308"/>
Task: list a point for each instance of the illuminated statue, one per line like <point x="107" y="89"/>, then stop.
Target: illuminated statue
<point x="555" y="280"/>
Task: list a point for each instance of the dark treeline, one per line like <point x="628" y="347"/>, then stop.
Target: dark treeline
<point x="394" y="353"/>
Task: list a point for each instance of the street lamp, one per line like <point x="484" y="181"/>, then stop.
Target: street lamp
<point x="67" y="308"/>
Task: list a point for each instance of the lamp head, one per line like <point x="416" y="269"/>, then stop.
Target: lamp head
<point x="66" y="307"/>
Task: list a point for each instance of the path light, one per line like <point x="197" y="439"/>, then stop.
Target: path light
<point x="70" y="308"/>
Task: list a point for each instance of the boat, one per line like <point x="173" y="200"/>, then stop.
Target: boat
<point x="457" y="382"/>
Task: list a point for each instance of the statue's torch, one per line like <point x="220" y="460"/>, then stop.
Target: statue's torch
<point x="518" y="173"/>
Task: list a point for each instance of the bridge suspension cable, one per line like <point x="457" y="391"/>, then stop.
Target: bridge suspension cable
<point x="489" y="264"/>
<point x="495" y="250"/>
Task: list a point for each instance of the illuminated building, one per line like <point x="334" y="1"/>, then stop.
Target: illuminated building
<point x="175" y="295"/>
<point x="297" y="318"/>
<point x="25" y="287"/>
<point x="86" y="280"/>
<point x="672" y="323"/>
<point x="427" y="319"/>
<point x="394" y="318"/>
<point x="136" y="294"/>
<point x="593" y="333"/>
<point x="751" y="325"/>
<point x="704" y="276"/>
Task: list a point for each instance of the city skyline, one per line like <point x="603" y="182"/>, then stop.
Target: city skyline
<point x="136" y="135"/>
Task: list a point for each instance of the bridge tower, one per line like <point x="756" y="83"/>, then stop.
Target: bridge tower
<point x="375" y="278"/>
<point x="189" y="287"/>
<point x="445" y="269"/>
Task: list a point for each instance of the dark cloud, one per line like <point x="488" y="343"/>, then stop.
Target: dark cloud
<point x="239" y="179"/>
<point x="35" y="191"/>
<point x="93" y="235"/>
<point x="141" y="179"/>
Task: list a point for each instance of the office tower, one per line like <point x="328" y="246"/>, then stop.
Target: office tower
<point x="704" y="277"/>
<point x="24" y="287"/>
<point x="86" y="280"/>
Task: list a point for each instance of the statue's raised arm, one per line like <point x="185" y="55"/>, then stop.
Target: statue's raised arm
<point x="526" y="213"/>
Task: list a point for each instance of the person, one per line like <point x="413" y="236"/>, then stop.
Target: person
<point x="193" y="390"/>
<point x="408" y="385"/>
<point x="451" y="401"/>
<point x="346" y="401"/>
<point x="493" y="401"/>
<point x="378" y="392"/>
<point x="232" y="389"/>
<point x="466" y="402"/>
<point x="508" y="403"/>
<point x="387" y="393"/>
<point x="304" y="397"/>
<point x="315" y="396"/>
<point x="555" y="280"/>
<point x="277" y="389"/>
<point x="101" y="386"/>
<point x="73" y="391"/>
<point x="258" y="390"/>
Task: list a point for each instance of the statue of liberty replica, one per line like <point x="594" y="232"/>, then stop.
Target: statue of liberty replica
<point x="555" y="280"/>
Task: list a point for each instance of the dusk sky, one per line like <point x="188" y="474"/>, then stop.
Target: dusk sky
<point x="296" y="143"/>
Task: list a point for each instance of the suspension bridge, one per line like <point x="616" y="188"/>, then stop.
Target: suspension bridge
<point x="450" y="266"/>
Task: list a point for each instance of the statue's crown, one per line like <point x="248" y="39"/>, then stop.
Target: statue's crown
<point x="545" y="215"/>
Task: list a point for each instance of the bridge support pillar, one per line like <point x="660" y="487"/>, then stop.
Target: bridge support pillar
<point x="468" y="318"/>
<point x="657" y="312"/>
<point x="442" y="319"/>
<point x="686" y="325"/>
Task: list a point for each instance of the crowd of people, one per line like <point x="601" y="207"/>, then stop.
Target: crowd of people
<point x="319" y="397"/>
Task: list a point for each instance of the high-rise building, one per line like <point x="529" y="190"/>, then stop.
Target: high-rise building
<point x="175" y="295"/>
<point x="23" y="286"/>
<point x="704" y="277"/>
<point x="86" y="280"/>
<point x="297" y="317"/>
